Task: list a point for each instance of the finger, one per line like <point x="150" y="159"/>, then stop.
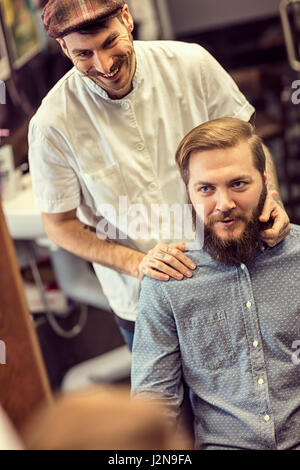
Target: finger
<point x="177" y="254"/>
<point x="271" y="238"/>
<point x="181" y="246"/>
<point x="277" y="230"/>
<point x="285" y="230"/>
<point x="167" y="269"/>
<point x="169" y="260"/>
<point x="272" y="241"/>
<point x="266" y="213"/>
<point x="264" y="217"/>
<point x="155" y="274"/>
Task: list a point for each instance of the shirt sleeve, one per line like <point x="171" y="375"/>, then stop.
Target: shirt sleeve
<point x="156" y="361"/>
<point x="55" y="184"/>
<point x="222" y="95"/>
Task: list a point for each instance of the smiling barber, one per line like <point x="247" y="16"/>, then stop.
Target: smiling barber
<point x="110" y="128"/>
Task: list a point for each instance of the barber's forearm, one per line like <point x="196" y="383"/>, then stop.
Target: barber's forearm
<point x="273" y="186"/>
<point x="75" y="237"/>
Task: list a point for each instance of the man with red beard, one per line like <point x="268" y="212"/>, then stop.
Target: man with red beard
<point x="109" y="129"/>
<point x="229" y="331"/>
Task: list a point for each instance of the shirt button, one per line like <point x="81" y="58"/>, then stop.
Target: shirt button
<point x="255" y="343"/>
<point x="125" y="105"/>
<point x="152" y="186"/>
<point x="243" y="267"/>
<point x="267" y="418"/>
<point x="140" y="146"/>
<point x="260" y="381"/>
<point x="248" y="304"/>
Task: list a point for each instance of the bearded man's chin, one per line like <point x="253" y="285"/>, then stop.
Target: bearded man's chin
<point x="235" y="251"/>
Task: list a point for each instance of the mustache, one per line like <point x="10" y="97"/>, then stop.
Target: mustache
<point x="230" y="214"/>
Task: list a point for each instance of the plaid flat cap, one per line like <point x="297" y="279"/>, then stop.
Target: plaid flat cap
<point x="62" y="17"/>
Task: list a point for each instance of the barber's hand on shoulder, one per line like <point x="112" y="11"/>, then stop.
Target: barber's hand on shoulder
<point x="274" y="213"/>
<point x="165" y="261"/>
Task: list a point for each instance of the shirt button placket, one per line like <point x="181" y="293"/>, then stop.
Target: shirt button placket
<point x="125" y="105"/>
<point x="132" y="122"/>
<point x="130" y="115"/>
<point x="152" y="186"/>
<point x="140" y="146"/>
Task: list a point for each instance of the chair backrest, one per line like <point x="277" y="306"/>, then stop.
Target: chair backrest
<point x="77" y="280"/>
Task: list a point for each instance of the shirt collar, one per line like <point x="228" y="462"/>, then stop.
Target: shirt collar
<point x="206" y="258"/>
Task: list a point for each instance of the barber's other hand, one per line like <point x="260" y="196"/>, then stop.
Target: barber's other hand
<point x="165" y="261"/>
<point x="273" y="211"/>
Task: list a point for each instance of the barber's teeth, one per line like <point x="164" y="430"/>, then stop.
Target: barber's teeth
<point x="109" y="75"/>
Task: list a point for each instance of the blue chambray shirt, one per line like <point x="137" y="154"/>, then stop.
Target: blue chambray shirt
<point x="229" y="333"/>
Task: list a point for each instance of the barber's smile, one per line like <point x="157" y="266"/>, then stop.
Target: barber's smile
<point x="114" y="75"/>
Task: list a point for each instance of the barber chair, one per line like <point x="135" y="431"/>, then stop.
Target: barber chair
<point x="80" y="284"/>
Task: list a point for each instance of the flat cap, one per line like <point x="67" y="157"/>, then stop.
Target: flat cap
<point x="62" y="17"/>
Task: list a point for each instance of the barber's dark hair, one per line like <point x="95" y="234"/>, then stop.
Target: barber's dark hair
<point x="219" y="133"/>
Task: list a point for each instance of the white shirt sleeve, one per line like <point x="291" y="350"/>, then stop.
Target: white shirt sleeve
<point x="55" y="184"/>
<point x="223" y="97"/>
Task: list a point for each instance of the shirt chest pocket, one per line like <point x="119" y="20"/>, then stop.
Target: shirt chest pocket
<point x="105" y="186"/>
<point x="208" y="340"/>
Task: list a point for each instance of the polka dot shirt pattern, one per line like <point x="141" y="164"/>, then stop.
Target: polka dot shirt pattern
<point x="229" y="332"/>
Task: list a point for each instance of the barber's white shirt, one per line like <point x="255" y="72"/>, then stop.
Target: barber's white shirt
<point x="86" y="150"/>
